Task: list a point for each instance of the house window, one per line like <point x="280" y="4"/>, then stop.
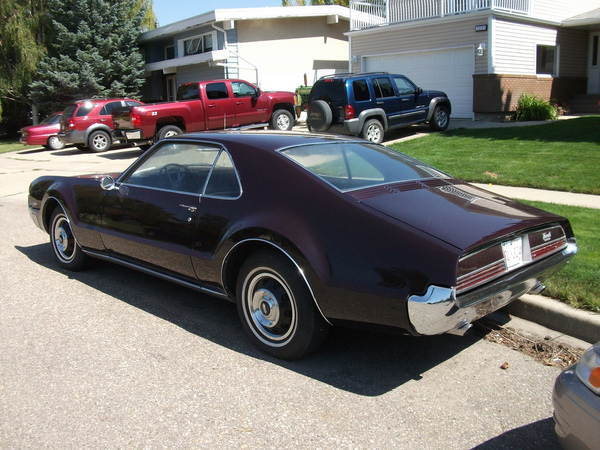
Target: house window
<point x="198" y="44"/>
<point x="546" y="60"/>
<point x="170" y="52"/>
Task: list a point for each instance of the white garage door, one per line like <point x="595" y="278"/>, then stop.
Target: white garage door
<point x="450" y="71"/>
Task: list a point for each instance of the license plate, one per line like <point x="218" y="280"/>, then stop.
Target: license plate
<point x="134" y="135"/>
<point x="513" y="252"/>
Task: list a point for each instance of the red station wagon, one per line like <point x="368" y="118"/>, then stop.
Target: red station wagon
<point x="89" y="124"/>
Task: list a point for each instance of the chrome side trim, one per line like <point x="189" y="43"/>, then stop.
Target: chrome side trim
<point x="300" y="271"/>
<point x="440" y="311"/>
<point x="156" y="273"/>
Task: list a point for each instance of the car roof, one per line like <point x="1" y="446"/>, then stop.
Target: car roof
<point x="266" y="140"/>
<point x="345" y="76"/>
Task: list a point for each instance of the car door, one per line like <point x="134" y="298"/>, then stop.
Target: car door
<point x="220" y="107"/>
<point x="105" y="113"/>
<point x="407" y="93"/>
<point x="151" y="217"/>
<point x="250" y="106"/>
<point x="386" y="98"/>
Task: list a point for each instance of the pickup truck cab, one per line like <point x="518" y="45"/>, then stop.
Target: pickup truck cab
<point x="205" y="105"/>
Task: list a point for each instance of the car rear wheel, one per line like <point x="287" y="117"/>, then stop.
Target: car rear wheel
<point x="373" y="131"/>
<point x="168" y="131"/>
<point x="99" y="141"/>
<point x="65" y="246"/>
<point x="54" y="143"/>
<point x="440" y="118"/>
<point x="282" y="120"/>
<point x="276" y="308"/>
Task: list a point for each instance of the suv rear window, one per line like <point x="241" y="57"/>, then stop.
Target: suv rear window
<point x="361" y="91"/>
<point x="331" y="91"/>
<point x="84" y="109"/>
<point x="69" y="110"/>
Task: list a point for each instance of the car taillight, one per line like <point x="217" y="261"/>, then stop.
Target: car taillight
<point x="136" y="119"/>
<point x="485" y="265"/>
<point x="71" y="124"/>
<point x="349" y="112"/>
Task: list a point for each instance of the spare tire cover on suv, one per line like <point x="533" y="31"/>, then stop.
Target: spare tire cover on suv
<point x="319" y="116"/>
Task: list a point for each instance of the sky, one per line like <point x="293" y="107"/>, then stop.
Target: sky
<point x="169" y="11"/>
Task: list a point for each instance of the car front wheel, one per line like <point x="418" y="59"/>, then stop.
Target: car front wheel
<point x="282" y="120"/>
<point x="440" y="118"/>
<point x="65" y="246"/>
<point x="99" y="141"/>
<point x="276" y="308"/>
<point x="373" y="131"/>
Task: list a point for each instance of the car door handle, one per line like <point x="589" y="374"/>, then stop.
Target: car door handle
<point x="405" y="99"/>
<point x="191" y="209"/>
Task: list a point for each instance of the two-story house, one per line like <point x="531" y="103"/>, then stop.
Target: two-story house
<point x="483" y="53"/>
<point x="275" y="48"/>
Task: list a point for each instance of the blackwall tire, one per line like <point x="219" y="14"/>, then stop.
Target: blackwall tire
<point x="99" y="141"/>
<point x="440" y="118"/>
<point x="55" y="144"/>
<point x="319" y="116"/>
<point x="373" y="131"/>
<point x="64" y="245"/>
<point x="282" y="120"/>
<point x="276" y="308"/>
<point x="168" y="131"/>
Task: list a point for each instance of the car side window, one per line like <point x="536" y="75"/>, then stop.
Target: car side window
<point x="241" y="89"/>
<point x="404" y="86"/>
<point x="107" y="109"/>
<point x="176" y="166"/>
<point x="84" y="109"/>
<point x="223" y="181"/>
<point x="383" y="87"/>
<point x="215" y="91"/>
<point x="361" y="90"/>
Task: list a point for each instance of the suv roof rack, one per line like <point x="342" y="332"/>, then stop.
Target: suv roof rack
<point x="352" y="74"/>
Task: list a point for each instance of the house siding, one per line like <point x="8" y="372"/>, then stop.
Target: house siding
<point x="514" y="46"/>
<point x="560" y="10"/>
<point x="439" y="35"/>
<point x="294" y="46"/>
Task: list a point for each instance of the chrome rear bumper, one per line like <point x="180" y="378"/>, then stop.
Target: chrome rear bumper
<point x="440" y="311"/>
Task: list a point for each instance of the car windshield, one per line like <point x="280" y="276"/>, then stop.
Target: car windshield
<point x="52" y="118"/>
<point x="356" y="165"/>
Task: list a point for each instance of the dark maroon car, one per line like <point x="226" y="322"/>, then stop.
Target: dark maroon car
<point x="305" y="232"/>
<point x="45" y="133"/>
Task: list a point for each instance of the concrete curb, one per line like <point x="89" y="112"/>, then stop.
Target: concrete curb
<point x="584" y="325"/>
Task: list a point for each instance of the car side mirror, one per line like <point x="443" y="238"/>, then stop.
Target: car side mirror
<point x="419" y="91"/>
<point x="257" y="93"/>
<point x="107" y="183"/>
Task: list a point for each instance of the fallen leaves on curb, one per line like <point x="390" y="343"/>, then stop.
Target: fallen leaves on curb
<point x="547" y="351"/>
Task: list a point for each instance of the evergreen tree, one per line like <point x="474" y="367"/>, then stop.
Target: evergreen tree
<point x="23" y="36"/>
<point x="94" y="52"/>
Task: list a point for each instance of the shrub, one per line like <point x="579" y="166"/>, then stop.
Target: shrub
<point x="531" y="107"/>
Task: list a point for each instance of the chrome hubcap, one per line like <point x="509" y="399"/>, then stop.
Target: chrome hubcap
<point x="63" y="239"/>
<point x="283" y="122"/>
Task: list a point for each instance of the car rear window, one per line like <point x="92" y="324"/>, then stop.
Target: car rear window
<point x="329" y="90"/>
<point x="69" y="110"/>
<point x="355" y="165"/>
<point x="188" y="92"/>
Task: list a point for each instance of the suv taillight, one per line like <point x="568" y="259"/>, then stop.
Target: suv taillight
<point x="136" y="119"/>
<point x="71" y="124"/>
<point x="349" y="112"/>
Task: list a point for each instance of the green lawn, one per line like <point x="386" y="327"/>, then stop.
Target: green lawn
<point x="562" y="155"/>
<point x="578" y="284"/>
<point x="12" y="145"/>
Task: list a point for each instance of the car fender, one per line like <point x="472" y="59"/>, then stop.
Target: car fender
<point x="96" y="127"/>
<point x="355" y="126"/>
<point x="438" y="101"/>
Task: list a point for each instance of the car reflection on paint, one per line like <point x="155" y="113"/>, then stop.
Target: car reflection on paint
<point x="307" y="232"/>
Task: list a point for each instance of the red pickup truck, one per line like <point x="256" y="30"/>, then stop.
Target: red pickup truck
<point x="205" y="105"/>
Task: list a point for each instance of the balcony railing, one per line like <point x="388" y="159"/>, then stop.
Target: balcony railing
<point x="373" y="13"/>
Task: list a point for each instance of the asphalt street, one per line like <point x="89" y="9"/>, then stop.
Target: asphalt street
<point x="112" y="358"/>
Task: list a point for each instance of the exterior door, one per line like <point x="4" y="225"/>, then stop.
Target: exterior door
<point x="250" y="107"/>
<point x="594" y="64"/>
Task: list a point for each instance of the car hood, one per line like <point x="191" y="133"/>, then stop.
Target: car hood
<point x="454" y="211"/>
<point x="40" y="128"/>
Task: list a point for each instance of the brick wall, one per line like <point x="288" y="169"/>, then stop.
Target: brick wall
<point x="499" y="94"/>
